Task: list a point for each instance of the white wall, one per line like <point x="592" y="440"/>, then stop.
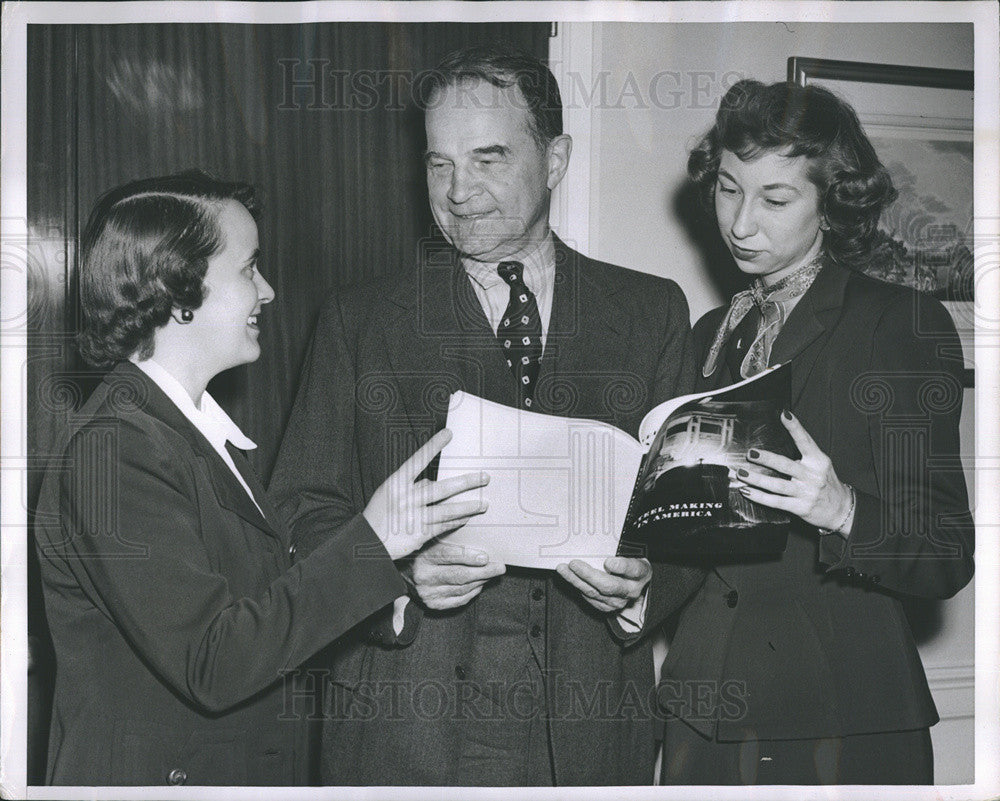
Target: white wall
<point x="637" y="96"/>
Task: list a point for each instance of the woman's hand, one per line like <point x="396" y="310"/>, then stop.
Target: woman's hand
<point x="812" y="490"/>
<point x="405" y="513"/>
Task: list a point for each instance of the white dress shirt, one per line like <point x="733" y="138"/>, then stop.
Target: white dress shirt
<point x="208" y="417"/>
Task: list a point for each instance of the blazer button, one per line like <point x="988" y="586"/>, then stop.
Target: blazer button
<point x="537" y="594"/>
<point x="536" y="631"/>
<point x="732" y="598"/>
<point x="291" y="550"/>
<point x="459" y="672"/>
<point x="176" y="776"/>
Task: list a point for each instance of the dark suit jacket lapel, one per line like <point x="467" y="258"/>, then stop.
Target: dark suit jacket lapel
<point x="800" y="339"/>
<point x="586" y="325"/>
<point x="442" y="332"/>
<point x="228" y="491"/>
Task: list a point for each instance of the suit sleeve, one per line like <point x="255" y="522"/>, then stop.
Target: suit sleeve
<point x="914" y="533"/>
<point x="671" y="584"/>
<point x="210" y="644"/>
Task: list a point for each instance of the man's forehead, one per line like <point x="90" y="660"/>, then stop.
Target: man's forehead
<point x="476" y="93"/>
<point x="477" y="114"/>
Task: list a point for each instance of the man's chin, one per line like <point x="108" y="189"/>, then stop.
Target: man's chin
<point x="481" y="251"/>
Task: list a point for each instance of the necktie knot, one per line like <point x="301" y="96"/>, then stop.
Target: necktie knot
<point x="511" y="272"/>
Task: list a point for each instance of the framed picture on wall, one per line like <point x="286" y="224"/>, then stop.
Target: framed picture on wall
<point x="921" y="124"/>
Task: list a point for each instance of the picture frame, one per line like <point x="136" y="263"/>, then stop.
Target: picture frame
<point x="920" y="121"/>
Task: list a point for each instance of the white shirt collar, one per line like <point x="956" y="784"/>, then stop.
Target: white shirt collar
<point x="539" y="263"/>
<point x="210" y="418"/>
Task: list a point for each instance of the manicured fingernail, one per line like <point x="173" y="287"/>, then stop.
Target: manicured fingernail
<point x="786" y="414"/>
<point x="742" y="473"/>
<point x="754" y="454"/>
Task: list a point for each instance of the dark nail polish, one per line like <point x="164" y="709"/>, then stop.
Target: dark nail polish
<point x="786" y="414"/>
<point x="754" y="454"/>
<point x="742" y="473"/>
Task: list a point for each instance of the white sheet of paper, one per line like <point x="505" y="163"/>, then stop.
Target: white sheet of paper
<point x="559" y="487"/>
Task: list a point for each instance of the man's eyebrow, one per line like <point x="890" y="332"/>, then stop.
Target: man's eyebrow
<point x="430" y="154"/>
<point x="492" y="150"/>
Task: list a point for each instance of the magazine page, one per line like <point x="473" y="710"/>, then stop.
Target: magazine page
<point x="655" y="417"/>
<point x="687" y="498"/>
<point x="559" y="487"/>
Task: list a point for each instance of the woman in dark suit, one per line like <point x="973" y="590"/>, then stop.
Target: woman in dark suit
<point x="804" y="667"/>
<point x="177" y="616"/>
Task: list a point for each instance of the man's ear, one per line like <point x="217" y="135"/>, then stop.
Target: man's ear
<point x="558" y="152"/>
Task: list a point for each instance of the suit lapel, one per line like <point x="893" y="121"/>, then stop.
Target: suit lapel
<point x="801" y="338"/>
<point x="441" y="338"/>
<point x="587" y="326"/>
<point x="228" y="491"/>
<point x="442" y="332"/>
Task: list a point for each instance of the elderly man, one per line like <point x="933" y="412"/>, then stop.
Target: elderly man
<point x="487" y="674"/>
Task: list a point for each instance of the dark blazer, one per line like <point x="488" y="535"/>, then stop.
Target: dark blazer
<point x="173" y="604"/>
<point x="815" y="643"/>
<point x="384" y="361"/>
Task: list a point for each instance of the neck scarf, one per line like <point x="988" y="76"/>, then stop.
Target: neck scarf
<point x="774" y="305"/>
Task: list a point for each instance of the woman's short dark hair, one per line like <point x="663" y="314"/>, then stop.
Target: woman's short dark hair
<point x="854" y="186"/>
<point x="503" y="67"/>
<point x="144" y="252"/>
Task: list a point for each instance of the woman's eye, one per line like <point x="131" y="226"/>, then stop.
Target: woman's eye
<point x="775" y="203"/>
<point x="727" y="190"/>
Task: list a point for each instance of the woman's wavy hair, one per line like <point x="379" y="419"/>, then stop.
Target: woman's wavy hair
<point x="854" y="186"/>
<point x="144" y="252"/>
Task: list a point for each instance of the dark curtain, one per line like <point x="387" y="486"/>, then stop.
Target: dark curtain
<point x="319" y="117"/>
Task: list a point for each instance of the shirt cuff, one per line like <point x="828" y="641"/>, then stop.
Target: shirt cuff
<point x="399" y="613"/>
<point x="633" y="616"/>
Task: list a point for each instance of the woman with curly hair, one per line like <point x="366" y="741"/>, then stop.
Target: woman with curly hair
<point x="801" y="668"/>
<point x="176" y="613"/>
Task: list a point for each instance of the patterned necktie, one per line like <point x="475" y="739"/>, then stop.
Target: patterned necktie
<point x="520" y="332"/>
<point x="772" y="302"/>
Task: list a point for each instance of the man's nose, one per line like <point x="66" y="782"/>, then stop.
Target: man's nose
<point x="744" y="223"/>
<point x="464" y="185"/>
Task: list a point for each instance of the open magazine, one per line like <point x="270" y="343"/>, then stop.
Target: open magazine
<point x="566" y="488"/>
<point x="686" y="499"/>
